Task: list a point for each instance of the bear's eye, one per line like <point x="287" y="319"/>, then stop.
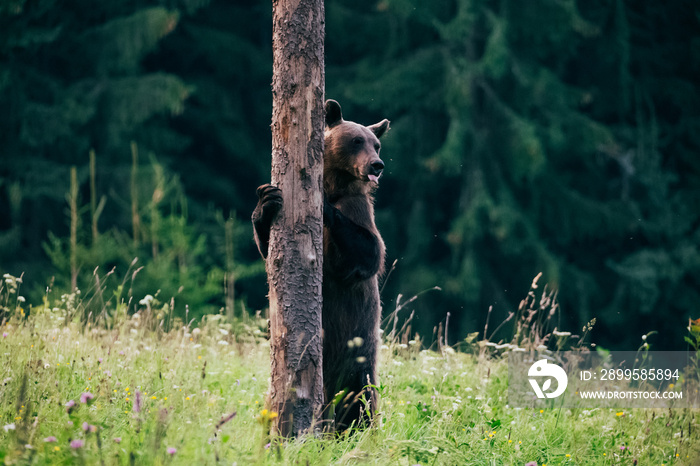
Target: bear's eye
<point x="377" y="146"/>
<point x="358" y="141"/>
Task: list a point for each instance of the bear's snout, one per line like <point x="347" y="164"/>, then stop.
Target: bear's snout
<point x="376" y="167"/>
<point x="375" y="170"/>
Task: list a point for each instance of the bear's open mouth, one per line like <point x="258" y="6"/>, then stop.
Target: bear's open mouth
<point x="374" y="178"/>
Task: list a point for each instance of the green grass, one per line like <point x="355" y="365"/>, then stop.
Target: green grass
<point x="446" y="408"/>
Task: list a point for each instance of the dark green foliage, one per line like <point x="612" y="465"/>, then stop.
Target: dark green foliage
<point x="537" y="136"/>
<point x="544" y="136"/>
<point x="164" y="255"/>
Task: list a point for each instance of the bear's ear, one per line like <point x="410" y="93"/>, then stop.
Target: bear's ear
<point x="380" y="128"/>
<point x="334" y="116"/>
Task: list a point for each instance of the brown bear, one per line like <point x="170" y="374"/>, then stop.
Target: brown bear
<point x="353" y="261"/>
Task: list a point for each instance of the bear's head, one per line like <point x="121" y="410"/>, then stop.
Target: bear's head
<point x="352" y="151"/>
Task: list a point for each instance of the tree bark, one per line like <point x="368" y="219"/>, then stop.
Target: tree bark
<point x="295" y="258"/>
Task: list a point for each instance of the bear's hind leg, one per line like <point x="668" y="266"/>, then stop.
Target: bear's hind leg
<point x="356" y="409"/>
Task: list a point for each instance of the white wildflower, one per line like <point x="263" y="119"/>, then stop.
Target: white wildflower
<point x="147" y="300"/>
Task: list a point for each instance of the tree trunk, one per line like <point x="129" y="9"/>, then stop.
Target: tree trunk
<point x="295" y="258"/>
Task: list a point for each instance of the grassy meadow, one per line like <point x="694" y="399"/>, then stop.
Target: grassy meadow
<point x="125" y="387"/>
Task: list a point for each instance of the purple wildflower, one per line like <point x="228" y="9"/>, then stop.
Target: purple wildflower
<point x="86" y="397"/>
<point x="70" y="405"/>
<point x="531" y="463"/>
<point x="99" y="360"/>
<point x="117" y="440"/>
<point x="137" y="402"/>
<point x="171" y="451"/>
<point x="77" y="443"/>
<point x="89" y="427"/>
<point x="50" y="439"/>
<point x="4" y="334"/>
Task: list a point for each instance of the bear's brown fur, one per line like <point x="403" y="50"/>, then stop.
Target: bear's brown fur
<point x="353" y="261"/>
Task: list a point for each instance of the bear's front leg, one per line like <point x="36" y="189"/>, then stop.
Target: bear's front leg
<point x="352" y="252"/>
<point x="269" y="204"/>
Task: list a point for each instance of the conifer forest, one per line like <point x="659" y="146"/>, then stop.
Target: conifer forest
<point x="559" y="137"/>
